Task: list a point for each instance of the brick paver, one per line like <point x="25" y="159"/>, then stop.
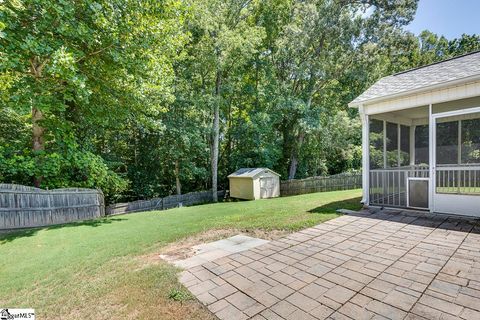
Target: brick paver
<point x="386" y="264"/>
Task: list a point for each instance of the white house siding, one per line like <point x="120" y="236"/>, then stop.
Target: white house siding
<point x="456" y="105"/>
<point x="458" y="92"/>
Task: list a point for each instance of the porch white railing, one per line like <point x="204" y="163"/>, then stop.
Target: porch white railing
<point x="388" y="187"/>
<point x="458" y="179"/>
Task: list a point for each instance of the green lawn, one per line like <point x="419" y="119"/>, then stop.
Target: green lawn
<point x="100" y="267"/>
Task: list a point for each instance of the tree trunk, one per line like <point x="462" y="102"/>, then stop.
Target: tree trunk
<point x="298" y="145"/>
<point x="38" y="143"/>
<point x="292" y="170"/>
<point x="294" y="156"/>
<point x="228" y="138"/>
<point x="37" y="139"/>
<point x="177" y="178"/>
<point x="216" y="133"/>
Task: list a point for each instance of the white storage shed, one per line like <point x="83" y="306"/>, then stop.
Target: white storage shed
<point x="254" y="183"/>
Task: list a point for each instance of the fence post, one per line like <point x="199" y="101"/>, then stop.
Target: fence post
<point x="101" y="202"/>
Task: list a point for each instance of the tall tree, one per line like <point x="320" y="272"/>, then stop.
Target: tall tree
<point x="84" y="64"/>
<point x="224" y="39"/>
<point x="148" y="98"/>
<point x="316" y="47"/>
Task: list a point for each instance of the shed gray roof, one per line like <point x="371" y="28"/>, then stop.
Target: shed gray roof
<point x="454" y="69"/>
<point x="250" y="172"/>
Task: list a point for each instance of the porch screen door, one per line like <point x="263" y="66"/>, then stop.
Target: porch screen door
<point x="456" y="159"/>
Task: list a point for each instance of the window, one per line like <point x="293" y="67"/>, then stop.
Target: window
<point x="376" y="144"/>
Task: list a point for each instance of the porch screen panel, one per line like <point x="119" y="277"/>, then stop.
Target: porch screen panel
<point x="458" y="155"/>
<point x="470" y="154"/>
<point x="376" y="144"/>
<point x="392" y="145"/>
<point x="387" y="186"/>
<point x="421" y="145"/>
<point x="471" y="141"/>
<point x="447" y="142"/>
<point x="404" y="145"/>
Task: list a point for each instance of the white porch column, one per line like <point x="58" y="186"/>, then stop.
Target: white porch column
<point x="365" y="156"/>
<point x="412" y="145"/>
<point x="431" y="157"/>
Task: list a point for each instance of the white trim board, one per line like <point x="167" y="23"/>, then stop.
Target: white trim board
<point x="464" y="91"/>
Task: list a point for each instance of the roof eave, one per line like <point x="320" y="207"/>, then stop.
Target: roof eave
<point x="241" y="177"/>
<point x="442" y="85"/>
<point x="255" y="175"/>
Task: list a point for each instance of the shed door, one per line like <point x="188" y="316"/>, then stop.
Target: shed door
<point x="266" y="187"/>
<point x="456" y="159"/>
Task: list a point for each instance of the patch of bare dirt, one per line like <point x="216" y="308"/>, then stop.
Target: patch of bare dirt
<point x="183" y="249"/>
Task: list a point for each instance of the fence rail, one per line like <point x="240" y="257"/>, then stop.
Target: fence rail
<point x="342" y="181"/>
<point x="168" y="202"/>
<point x="25" y="207"/>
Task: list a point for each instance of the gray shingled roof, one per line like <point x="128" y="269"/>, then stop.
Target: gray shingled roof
<point x="434" y="74"/>
<point x="250" y="172"/>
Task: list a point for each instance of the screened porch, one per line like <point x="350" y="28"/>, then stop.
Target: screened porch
<point x="424" y="154"/>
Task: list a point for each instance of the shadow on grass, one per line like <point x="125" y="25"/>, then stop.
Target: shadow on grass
<point x="12" y="234"/>
<point x="332" y="207"/>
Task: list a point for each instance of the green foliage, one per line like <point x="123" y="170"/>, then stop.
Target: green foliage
<point x="125" y="91"/>
<point x="86" y="66"/>
<point x="64" y="165"/>
<point x="179" y="295"/>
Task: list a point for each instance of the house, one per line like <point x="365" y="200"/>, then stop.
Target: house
<point x="421" y="138"/>
<point x="254" y="183"/>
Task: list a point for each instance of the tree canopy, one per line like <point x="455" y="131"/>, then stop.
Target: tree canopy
<point x="148" y="98"/>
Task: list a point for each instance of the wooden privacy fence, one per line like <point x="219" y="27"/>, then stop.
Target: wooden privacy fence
<point x="168" y="202"/>
<point x="342" y="181"/>
<point x="25" y="207"/>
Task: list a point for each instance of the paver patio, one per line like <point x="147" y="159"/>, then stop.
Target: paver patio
<point x="381" y="265"/>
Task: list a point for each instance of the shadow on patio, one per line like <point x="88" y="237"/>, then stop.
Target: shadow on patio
<point x="421" y="218"/>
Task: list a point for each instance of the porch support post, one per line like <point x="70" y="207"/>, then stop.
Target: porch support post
<point x="399" y="144"/>
<point x="431" y="158"/>
<point x="412" y="145"/>
<point x="459" y="148"/>
<point x="384" y="144"/>
<point x="365" y="156"/>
